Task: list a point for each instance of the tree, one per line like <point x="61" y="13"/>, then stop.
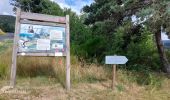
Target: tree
<point x="38" y="6"/>
<point x="157" y="14"/>
<point x="109" y="15"/>
<point x="160" y="14"/>
<point x="7" y="23"/>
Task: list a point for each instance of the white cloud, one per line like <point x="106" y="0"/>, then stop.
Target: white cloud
<point x="5" y="13"/>
<point x="6" y="8"/>
<point x="78" y="4"/>
<point x="52" y="0"/>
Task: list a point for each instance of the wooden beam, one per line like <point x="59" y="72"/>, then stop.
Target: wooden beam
<point x="15" y="47"/>
<point x="67" y="53"/>
<point x="42" y="17"/>
<point x="42" y="23"/>
<point x="42" y="54"/>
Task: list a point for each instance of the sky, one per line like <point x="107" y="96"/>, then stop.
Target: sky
<point x="75" y="5"/>
<point x="5" y="8"/>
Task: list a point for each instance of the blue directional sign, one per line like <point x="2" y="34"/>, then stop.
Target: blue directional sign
<point x="115" y="60"/>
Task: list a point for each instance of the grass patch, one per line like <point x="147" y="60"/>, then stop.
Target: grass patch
<point x="51" y="67"/>
<point x="46" y="76"/>
<point x="5" y="45"/>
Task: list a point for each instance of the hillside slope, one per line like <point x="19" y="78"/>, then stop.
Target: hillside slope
<point x="7" y="23"/>
<point x="1" y="32"/>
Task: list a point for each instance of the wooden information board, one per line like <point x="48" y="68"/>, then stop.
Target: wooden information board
<point x="41" y="35"/>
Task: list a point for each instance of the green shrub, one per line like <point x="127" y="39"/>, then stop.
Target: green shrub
<point x="120" y="87"/>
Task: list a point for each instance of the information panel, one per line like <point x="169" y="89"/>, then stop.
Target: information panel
<point x="41" y="39"/>
<point x="40" y="35"/>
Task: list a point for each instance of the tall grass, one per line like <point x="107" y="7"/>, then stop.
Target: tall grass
<point x="51" y="67"/>
<point x="55" y="68"/>
<point x="5" y="62"/>
<point x="130" y="85"/>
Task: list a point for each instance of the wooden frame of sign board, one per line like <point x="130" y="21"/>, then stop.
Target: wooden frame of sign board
<point x="40" y="19"/>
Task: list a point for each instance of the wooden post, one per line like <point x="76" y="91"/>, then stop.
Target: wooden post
<point x="15" y="49"/>
<point x="67" y="53"/>
<point x="114" y="77"/>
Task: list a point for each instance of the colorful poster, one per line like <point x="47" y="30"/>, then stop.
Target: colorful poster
<point x="41" y="39"/>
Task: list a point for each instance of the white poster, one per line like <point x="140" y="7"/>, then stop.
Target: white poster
<point x="56" y="35"/>
<point x="58" y="54"/>
<point x="43" y="44"/>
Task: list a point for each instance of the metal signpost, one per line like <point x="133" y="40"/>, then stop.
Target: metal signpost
<point x="114" y="60"/>
<point x="41" y="35"/>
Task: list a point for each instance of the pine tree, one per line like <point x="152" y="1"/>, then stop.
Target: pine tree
<point x="109" y="15"/>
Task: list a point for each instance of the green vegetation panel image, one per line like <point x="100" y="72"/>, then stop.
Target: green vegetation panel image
<point x="41" y="39"/>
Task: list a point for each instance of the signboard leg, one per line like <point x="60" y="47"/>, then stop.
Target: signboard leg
<point x="13" y="70"/>
<point x="68" y="53"/>
<point x="14" y="53"/>
<point x="114" y="77"/>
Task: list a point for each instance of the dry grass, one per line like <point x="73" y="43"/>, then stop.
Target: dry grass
<point x="51" y="67"/>
<point x="43" y="78"/>
<point x="42" y="89"/>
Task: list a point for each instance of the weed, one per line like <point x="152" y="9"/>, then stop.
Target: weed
<point x="120" y="87"/>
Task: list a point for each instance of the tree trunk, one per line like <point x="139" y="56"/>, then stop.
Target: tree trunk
<point x="164" y="61"/>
